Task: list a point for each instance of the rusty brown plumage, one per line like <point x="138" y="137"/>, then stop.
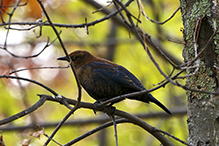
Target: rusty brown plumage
<point x="103" y="79"/>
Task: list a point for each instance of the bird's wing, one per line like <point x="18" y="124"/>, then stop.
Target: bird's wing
<point x="131" y="77"/>
<point x="118" y="74"/>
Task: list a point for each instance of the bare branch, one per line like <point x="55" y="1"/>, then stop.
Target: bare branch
<point x="25" y="112"/>
<point x="31" y="56"/>
<point x="73" y="70"/>
<point x="178" y="112"/>
<point x="32" y="81"/>
<point x="183" y="142"/>
<point x="43" y="67"/>
<point x="123" y="114"/>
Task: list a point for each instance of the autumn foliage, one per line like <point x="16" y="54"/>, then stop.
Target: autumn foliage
<point x="33" y="9"/>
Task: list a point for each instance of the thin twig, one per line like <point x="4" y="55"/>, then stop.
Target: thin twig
<point x="24" y="112"/>
<point x="161" y="23"/>
<point x="96" y="130"/>
<point x="53" y="140"/>
<point x="115" y="130"/>
<point x="35" y="24"/>
<point x="100" y="9"/>
<point x="143" y="42"/>
<point x="35" y="55"/>
<point x="166" y="133"/>
<point x="43" y="67"/>
<point x="32" y="81"/>
<point x="96" y="120"/>
<point x="9" y="22"/>
<point x="73" y="70"/>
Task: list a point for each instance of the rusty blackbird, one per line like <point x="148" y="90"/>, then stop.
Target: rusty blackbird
<point x="103" y="79"/>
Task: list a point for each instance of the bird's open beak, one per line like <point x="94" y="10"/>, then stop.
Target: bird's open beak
<point x="62" y="58"/>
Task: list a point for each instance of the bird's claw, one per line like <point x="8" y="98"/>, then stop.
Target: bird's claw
<point x="96" y="107"/>
<point x="110" y="110"/>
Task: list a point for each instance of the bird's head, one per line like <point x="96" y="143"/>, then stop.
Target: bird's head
<point x="78" y="58"/>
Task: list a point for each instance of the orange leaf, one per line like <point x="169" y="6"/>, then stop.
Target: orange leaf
<point x="35" y="10"/>
<point x="1" y="141"/>
<point x="4" y="4"/>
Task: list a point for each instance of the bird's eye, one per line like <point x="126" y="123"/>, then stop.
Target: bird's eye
<point x="73" y="58"/>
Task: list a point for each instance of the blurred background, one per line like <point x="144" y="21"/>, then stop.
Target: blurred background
<point x="107" y="39"/>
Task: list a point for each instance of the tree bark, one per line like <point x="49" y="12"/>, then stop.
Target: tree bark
<point x="200" y="23"/>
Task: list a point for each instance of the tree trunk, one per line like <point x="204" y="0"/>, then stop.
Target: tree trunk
<point x="200" y="22"/>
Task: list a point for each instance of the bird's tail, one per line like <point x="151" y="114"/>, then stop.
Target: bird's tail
<point x="152" y="99"/>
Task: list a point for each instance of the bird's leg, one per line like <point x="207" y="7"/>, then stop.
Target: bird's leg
<point x="96" y="107"/>
<point x="110" y="110"/>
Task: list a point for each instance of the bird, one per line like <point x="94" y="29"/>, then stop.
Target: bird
<point x="103" y="79"/>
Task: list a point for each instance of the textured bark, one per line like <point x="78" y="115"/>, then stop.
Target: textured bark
<point x="203" y="109"/>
